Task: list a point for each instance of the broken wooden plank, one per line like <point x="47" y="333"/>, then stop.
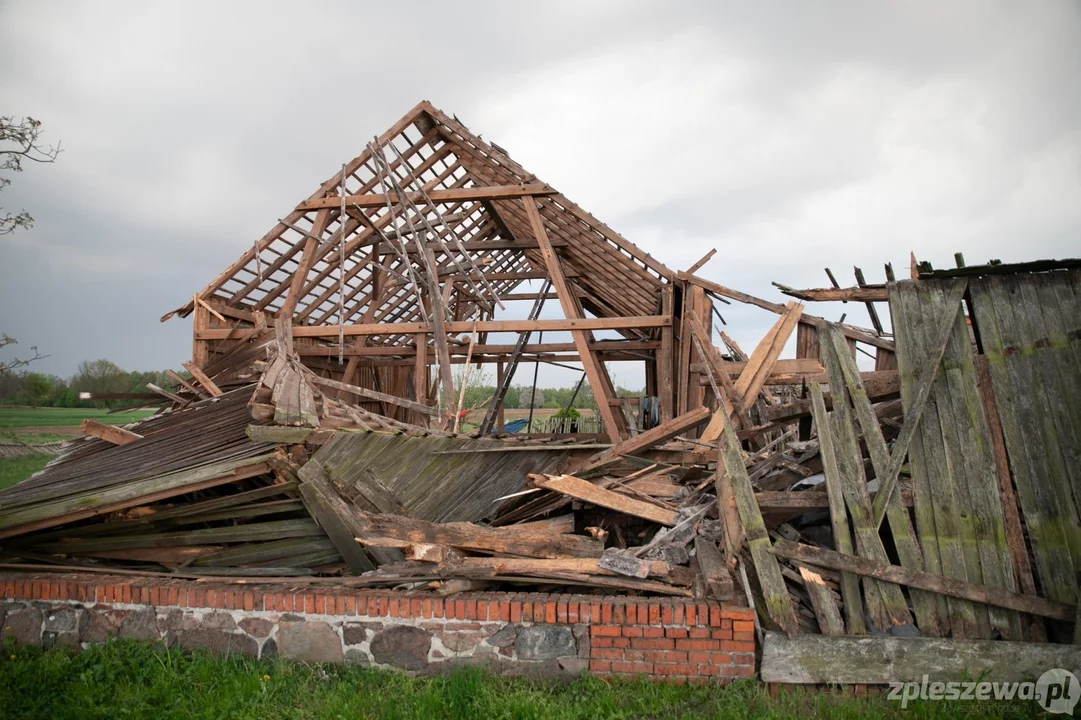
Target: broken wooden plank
<point x="108" y="433"/>
<point x="712" y="567"/>
<point x="384" y="530"/>
<point x="842" y="533"/>
<point x="376" y="395"/>
<point x="202" y="377"/>
<point x="479" y="566"/>
<point x="823" y="603"/>
<point x="587" y="491"/>
<point x="278" y="434"/>
<point x="649" y="438"/>
<point x="924" y="581"/>
<point x="778" y="602"/>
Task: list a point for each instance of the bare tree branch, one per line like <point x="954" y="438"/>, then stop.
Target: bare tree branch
<point x="19" y="140"/>
<point x="10" y="366"/>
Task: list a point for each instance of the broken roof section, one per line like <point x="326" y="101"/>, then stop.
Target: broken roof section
<point x="457" y="186"/>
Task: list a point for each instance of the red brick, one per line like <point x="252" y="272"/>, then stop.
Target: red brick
<point x="621" y="642"/>
<point x="737" y="646"/>
<point x="606" y="612"/>
<point x="737" y="613"/>
<point x="619" y="614"/>
<point x="594" y="612"/>
<point x="606" y="653"/>
<point x="384" y="607"/>
<point x="605" y="631"/>
<point x="744" y="636"/>
<point x="674" y="669"/>
<point x="632" y="667"/>
<point x="249" y="601"/>
<point x="698" y="633"/>
<point x="653" y="643"/>
<point x="726" y="623"/>
<point x="698" y="657"/>
<point x="689" y="644"/>
<point x="349" y="607"/>
<point x="666" y="615"/>
<point x="718" y="658"/>
<point x="652" y="632"/>
<point x="561" y="611"/>
<point x="743" y="659"/>
<point x="631" y="614"/>
<point x="572" y="611"/>
<point x="677" y="615"/>
<point x="632" y="631"/>
<point x="742" y="626"/>
<point x="676" y="632"/>
<point x="654" y="614"/>
<point x="690" y="613"/>
<point x="721" y="633"/>
<point x="459" y="609"/>
<point x="714" y="614"/>
<point x="405" y="607"/>
<point x="527" y="612"/>
<point x="600" y="641"/>
<point x="550" y="612"/>
<point x="515" y="612"/>
<point x="471" y="609"/>
<point x="600" y="666"/>
<point x="439" y="608"/>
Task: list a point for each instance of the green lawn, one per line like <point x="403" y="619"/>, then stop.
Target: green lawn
<point x="130" y="679"/>
<point x="18" y="417"/>
<point x="14" y="470"/>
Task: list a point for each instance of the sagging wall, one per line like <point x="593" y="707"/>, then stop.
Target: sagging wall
<point x="512" y="633"/>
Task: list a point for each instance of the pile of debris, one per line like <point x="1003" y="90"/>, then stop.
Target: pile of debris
<point x="935" y="494"/>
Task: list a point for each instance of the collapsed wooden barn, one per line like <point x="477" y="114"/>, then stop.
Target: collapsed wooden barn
<point x="318" y="436"/>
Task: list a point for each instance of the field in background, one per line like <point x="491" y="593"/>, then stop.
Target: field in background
<point x="131" y="679"/>
<point x="17" y="469"/>
<point x="16" y="418"/>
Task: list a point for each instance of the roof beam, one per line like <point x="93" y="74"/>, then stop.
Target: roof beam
<point x="438" y="196"/>
<point x="464" y="326"/>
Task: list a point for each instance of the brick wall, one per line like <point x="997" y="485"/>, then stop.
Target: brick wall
<point x="517" y="633"/>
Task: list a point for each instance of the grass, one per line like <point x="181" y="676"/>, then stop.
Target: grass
<point x="20" y="417"/>
<point x="132" y="679"/>
<point x="15" y="470"/>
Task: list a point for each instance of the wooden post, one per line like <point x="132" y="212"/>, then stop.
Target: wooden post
<point x="499" y="382"/>
<point x="307" y="256"/>
<point x="582" y="338"/>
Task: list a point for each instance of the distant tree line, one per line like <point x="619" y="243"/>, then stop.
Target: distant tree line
<point x="95" y="376"/>
<point x="38" y="389"/>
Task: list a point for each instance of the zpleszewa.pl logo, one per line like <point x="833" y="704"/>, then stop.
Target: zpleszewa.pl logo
<point x="1057" y="691"/>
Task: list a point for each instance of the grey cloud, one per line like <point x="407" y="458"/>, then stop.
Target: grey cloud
<point x="789" y="136"/>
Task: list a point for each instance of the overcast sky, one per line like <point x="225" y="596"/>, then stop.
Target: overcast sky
<point x="789" y="136"/>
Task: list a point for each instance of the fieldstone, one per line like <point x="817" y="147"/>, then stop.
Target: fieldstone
<point x="504" y="636"/>
<point x="219" y="621"/>
<point x="102" y="625"/>
<point x="354" y="633"/>
<point x="269" y="650"/>
<point x="292" y="617"/>
<point x="574" y="666"/>
<point x="141" y="625"/>
<point x="356" y="656"/>
<point x="24" y="626"/>
<point x="180" y="620"/>
<point x="256" y="627"/>
<point x="460" y="641"/>
<point x="309" y="641"/>
<point x="402" y="646"/>
<point x="67" y="640"/>
<point x="545" y="642"/>
<point x="216" y="641"/>
<point x="61" y="620"/>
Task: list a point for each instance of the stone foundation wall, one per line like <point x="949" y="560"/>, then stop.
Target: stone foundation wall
<point x="515" y="633"/>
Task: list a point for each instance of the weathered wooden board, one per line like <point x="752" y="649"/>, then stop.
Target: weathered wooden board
<point x="430" y="480"/>
<point x="1028" y="326"/>
<point x="818" y="659"/>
